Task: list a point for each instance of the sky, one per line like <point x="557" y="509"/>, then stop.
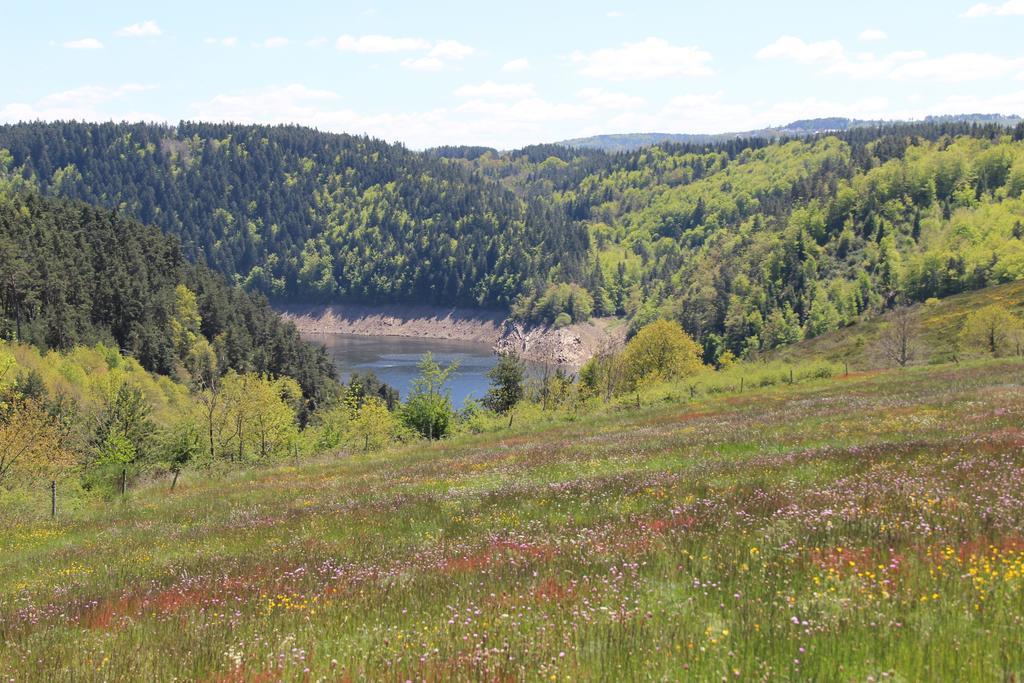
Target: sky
<point x="513" y="73"/>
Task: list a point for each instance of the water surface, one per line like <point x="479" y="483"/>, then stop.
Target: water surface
<point x="394" y="359"/>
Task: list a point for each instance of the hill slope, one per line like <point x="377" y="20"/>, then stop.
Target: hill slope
<point x="74" y="274"/>
<point x="751" y="244"/>
<point x="309" y="216"/>
<point x="843" y="528"/>
<point x="934" y="329"/>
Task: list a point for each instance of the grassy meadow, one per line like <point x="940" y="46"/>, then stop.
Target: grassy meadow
<point x="859" y="528"/>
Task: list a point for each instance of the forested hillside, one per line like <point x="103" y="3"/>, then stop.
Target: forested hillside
<point x="749" y="243"/>
<point x="73" y="274"/>
<point x="752" y="244"/>
<point x="303" y="215"/>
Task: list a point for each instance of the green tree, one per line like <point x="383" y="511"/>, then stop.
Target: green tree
<point x="602" y="374"/>
<point x="781" y="328"/>
<point x="660" y="350"/>
<point x="373" y="426"/>
<point x="506" y="388"/>
<point x="429" y="407"/>
<point x="823" y="316"/>
<point x="252" y="417"/>
<point x="185" y="321"/>
<point x="124" y="428"/>
<point x="992" y="330"/>
<point x="33" y="446"/>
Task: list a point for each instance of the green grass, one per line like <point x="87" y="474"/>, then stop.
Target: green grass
<point x="835" y="529"/>
<point x="938" y="322"/>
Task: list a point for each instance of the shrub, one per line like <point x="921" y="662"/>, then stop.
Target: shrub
<point x="661" y="350"/>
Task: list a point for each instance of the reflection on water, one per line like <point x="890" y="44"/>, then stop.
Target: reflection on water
<point x="394" y="359"/>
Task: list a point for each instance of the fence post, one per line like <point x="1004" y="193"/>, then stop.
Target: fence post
<point x="124" y="480"/>
<point x="53" y="498"/>
<point x="846" y="368"/>
<point x="174" y="481"/>
<point x="741" y="384"/>
<point x="791" y="375"/>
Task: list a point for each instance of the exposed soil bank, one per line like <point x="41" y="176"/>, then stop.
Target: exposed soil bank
<point x="570" y="346"/>
<point x="397" y="321"/>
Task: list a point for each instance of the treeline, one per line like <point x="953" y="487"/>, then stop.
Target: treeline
<point x="299" y="214"/>
<point x="72" y="274"/>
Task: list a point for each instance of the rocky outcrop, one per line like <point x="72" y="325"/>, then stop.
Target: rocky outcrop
<point x="569" y="347"/>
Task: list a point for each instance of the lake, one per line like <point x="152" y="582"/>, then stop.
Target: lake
<point x="394" y="359"/>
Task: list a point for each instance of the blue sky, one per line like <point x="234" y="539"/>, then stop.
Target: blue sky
<point x="513" y="73"/>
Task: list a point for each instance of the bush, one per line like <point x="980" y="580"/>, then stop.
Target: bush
<point x="661" y="350"/>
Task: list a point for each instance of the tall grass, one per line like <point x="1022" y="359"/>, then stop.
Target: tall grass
<point x="860" y="528"/>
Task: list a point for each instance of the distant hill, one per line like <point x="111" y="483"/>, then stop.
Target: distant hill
<point x="624" y="142"/>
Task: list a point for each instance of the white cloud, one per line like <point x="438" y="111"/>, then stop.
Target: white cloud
<point x="378" y="44"/>
<point x="497" y="116"/>
<point x="868" y="65"/>
<point x="490" y="89"/>
<point x="84" y="44"/>
<point x="316" y="42"/>
<point x="1006" y="9"/>
<point x="959" y="67"/>
<point x="90" y="95"/>
<point x="513" y="122"/>
<point x="1004" y="103"/>
<point x="141" y="30"/>
<point x="648" y="59"/>
<point x="796" y="50"/>
<point x="504" y="123"/>
<point x="423" y="64"/>
<point x="439" y="55"/>
<point x="528" y="110"/>
<point x="434" y="58"/>
<point x="610" y="100"/>
<point x="872" y="34"/>
<point x="614" y="14"/>
<point x="273" y="42"/>
<point x="451" y="50"/>
<point x="229" y="41"/>
<point x="83" y="103"/>
<point x="832" y="59"/>
<point x="274" y="101"/>
<point x="715" y="113"/>
<point x="516" y="65"/>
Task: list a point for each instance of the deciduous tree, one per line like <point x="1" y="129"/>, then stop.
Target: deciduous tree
<point x="992" y="330"/>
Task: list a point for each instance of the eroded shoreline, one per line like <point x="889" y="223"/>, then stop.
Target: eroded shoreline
<point x="570" y="346"/>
